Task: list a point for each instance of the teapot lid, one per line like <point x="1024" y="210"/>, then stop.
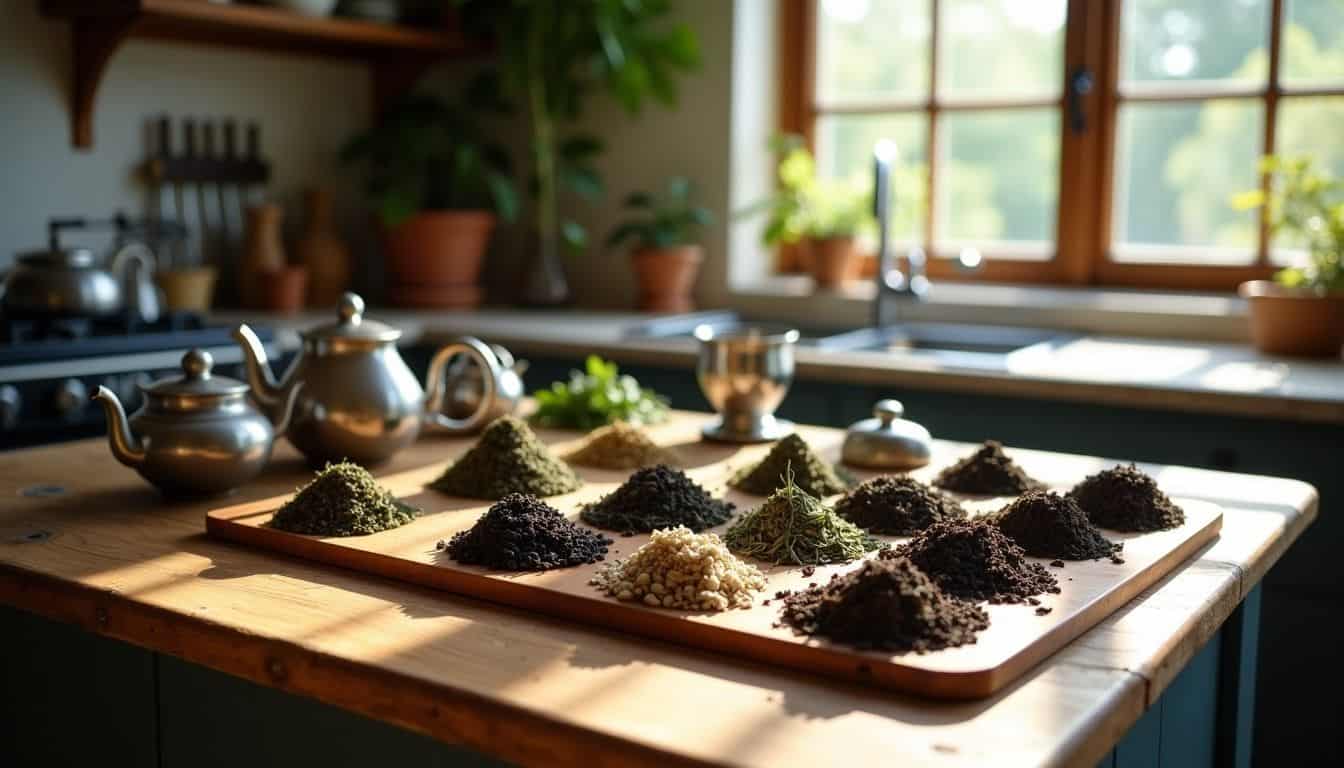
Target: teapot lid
<point x="60" y="258"/>
<point x="352" y="325"/>
<point x="887" y="441"/>
<point x="196" y="380"/>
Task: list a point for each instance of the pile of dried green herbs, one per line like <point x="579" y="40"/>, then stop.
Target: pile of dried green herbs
<point x="508" y="458"/>
<point x="812" y="474"/>
<point x="657" y="497"/>
<point x="342" y="500"/>
<point x="620" y="446"/>
<point x="793" y="526"/>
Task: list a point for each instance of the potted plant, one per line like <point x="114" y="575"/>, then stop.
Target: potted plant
<point x="824" y="216"/>
<point x="1301" y="311"/>
<point x="553" y="53"/>
<point x="666" y="254"/>
<point x="438" y="185"/>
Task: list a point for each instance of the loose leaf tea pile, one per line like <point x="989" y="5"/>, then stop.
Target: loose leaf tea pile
<point x="1127" y="499"/>
<point x="508" y="458"/>
<point x="887" y="605"/>
<point x="342" y="500"/>
<point x="974" y="560"/>
<point x="793" y="526"/>
<point x="1046" y="524"/>
<point x="815" y="476"/>
<point x="523" y="533"/>
<point x="988" y="472"/>
<point x="897" y="505"/>
<point x="657" y="497"/>
<point x="620" y="446"/>
<point x="681" y="569"/>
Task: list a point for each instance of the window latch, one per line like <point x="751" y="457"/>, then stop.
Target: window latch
<point x="1081" y="83"/>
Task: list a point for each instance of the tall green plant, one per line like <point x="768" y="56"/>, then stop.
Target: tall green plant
<point x="1308" y="205"/>
<point x="553" y="54"/>
<point x="663" y="221"/>
<point x="805" y="206"/>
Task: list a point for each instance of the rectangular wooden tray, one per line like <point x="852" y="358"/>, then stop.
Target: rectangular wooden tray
<point x="1016" y="639"/>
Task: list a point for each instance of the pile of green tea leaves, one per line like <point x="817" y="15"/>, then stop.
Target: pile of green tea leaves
<point x="598" y="395"/>
<point x="792" y="526"/>
<point x="342" y="500"/>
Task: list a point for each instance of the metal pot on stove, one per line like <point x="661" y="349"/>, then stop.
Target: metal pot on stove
<point x="69" y="282"/>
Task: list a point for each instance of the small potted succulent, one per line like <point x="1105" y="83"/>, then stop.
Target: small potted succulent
<point x="825" y="217"/>
<point x="438" y="185"/>
<point x="1301" y="311"/>
<point x="666" y="253"/>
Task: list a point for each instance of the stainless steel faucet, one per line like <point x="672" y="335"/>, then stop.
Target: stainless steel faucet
<point x="912" y="284"/>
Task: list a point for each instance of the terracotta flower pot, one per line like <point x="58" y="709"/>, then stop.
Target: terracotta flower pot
<point x="283" y="289"/>
<point x="189" y="289"/>
<point x="1294" y="321"/>
<point x="433" y="259"/>
<point x="832" y="260"/>
<point x="666" y="276"/>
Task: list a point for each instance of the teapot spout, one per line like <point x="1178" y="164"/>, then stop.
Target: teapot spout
<point x="125" y="447"/>
<point x="287" y="412"/>
<point x="265" y="388"/>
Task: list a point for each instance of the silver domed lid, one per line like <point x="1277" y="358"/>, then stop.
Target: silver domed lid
<point x="351" y="325"/>
<point x="196" y="381"/>
<point x="886" y="441"/>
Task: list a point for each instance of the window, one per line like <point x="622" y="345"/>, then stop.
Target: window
<point x="1072" y="141"/>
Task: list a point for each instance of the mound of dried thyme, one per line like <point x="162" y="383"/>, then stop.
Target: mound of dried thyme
<point x="897" y="505"/>
<point x="812" y="474"/>
<point x="657" y="497"/>
<point x="1127" y="499"/>
<point x="342" y="500"/>
<point x="508" y="458"/>
<point x="792" y="526"/>
<point x="620" y="446"/>
<point x="887" y="605"/>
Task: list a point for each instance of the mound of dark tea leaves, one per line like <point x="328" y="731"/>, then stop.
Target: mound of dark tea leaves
<point x="508" y="458"/>
<point x="974" y="560"/>
<point x="342" y="500"/>
<point x="523" y="533"/>
<point x="793" y="526"/>
<point x="1127" y="499"/>
<point x="987" y="472"/>
<point x="1046" y="524"/>
<point x="657" y="497"/>
<point x="812" y="474"/>
<point x="887" y="605"/>
<point x="897" y="505"/>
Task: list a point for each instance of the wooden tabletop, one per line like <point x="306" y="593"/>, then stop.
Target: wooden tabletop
<point x="108" y="555"/>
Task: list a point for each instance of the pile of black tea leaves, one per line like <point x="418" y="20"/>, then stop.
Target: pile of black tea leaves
<point x="987" y="472"/>
<point x="657" y="497"/>
<point x="343" y="499"/>
<point x="885" y="605"/>
<point x="1127" y="499"/>
<point x="974" y="560"/>
<point x="1046" y="524"/>
<point x="897" y="505"/>
<point x="811" y="473"/>
<point x="508" y="458"/>
<point x="523" y="533"/>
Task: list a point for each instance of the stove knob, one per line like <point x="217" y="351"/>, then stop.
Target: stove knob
<point x="71" y="397"/>
<point x="11" y="404"/>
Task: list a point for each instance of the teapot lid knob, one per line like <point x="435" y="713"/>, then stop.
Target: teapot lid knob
<point x="351" y="309"/>
<point x="197" y="364"/>
<point x="888" y="411"/>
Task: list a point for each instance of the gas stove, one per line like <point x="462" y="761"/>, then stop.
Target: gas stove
<point x="49" y="367"/>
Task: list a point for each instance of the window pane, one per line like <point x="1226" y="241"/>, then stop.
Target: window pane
<point x="872" y="50"/>
<point x="1224" y="40"/>
<point x="1001" y="48"/>
<point x="845" y="150"/>
<point x="1313" y="43"/>
<point x="998" y="176"/>
<point x="1177" y="167"/>
<point x="1300" y="132"/>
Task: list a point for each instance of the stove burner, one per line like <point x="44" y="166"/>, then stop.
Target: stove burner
<point x="21" y="330"/>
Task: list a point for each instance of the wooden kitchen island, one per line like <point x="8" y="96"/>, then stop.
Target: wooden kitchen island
<point x="84" y="542"/>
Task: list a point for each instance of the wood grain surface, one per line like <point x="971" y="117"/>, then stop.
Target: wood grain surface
<point x="1016" y="639"/>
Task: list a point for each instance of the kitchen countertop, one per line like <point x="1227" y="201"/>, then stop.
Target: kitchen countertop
<point x="1191" y="376"/>
<point x="110" y="557"/>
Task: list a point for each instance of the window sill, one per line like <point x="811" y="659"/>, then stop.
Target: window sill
<point x="1108" y="311"/>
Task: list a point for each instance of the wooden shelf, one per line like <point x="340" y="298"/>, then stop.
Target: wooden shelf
<point x="397" y="55"/>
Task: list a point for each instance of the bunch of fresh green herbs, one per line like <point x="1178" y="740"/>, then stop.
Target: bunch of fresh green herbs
<point x="795" y="527"/>
<point x="596" y="396"/>
<point x="664" y="221"/>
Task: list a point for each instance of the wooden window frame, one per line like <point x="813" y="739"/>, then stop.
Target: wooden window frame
<point x="1083" y="237"/>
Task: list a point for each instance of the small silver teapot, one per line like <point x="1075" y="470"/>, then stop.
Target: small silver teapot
<point x="360" y="401"/>
<point x="197" y="433"/>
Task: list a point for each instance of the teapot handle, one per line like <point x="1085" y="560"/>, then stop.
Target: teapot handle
<point x="482" y="355"/>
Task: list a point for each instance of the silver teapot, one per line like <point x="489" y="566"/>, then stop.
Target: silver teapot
<point x="69" y="282"/>
<point x="197" y="433"/>
<point x="360" y="401"/>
